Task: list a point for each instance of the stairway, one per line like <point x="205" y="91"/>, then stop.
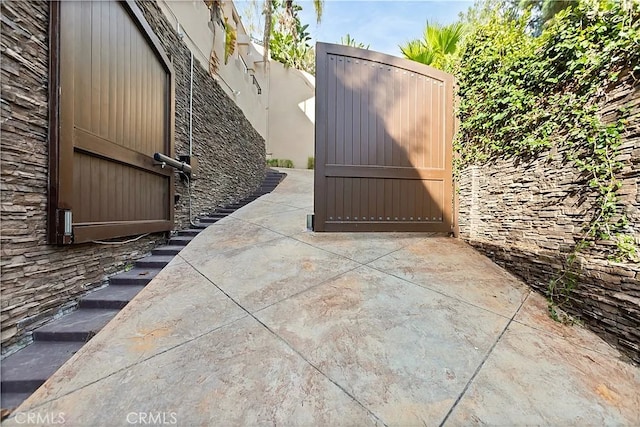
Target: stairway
<point x="54" y="343"/>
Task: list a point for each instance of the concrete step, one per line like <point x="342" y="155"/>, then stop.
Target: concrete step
<point x="189" y="232"/>
<point x="217" y="215"/>
<point x="209" y="220"/>
<point x="12" y="400"/>
<point x="154" y="261"/>
<point x="80" y="325"/>
<point x="134" y="277"/>
<point x="27" y="369"/>
<point x="235" y="206"/>
<point x="226" y="211"/>
<point x="167" y="250"/>
<point x="114" y="297"/>
<point x="180" y="240"/>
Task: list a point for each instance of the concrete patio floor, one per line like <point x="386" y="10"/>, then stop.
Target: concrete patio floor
<point x="259" y="322"/>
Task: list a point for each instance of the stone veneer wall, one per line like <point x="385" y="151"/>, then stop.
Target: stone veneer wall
<point x="40" y="281"/>
<point x="527" y="215"/>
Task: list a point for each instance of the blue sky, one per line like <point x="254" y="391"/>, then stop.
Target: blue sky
<point x="383" y="24"/>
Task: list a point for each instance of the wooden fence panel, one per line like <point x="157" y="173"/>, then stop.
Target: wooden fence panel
<point x="115" y="109"/>
<point x="384" y="130"/>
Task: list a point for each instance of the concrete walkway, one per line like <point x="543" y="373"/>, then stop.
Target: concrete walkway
<point x="259" y="322"/>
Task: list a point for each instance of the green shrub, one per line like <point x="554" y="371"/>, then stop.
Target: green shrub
<point x="311" y="163"/>
<point x="285" y="163"/>
<point x="280" y="163"/>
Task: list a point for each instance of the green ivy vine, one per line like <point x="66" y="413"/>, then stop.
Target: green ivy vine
<point x="521" y="95"/>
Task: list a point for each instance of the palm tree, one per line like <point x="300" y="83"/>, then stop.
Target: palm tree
<point x="318" y="5"/>
<point x="438" y="44"/>
<point x="350" y="41"/>
<point x="416" y="51"/>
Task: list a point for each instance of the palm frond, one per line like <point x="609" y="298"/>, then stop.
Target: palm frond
<point x="318" y="5"/>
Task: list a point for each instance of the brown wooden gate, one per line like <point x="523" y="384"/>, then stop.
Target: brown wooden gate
<point x="384" y="130"/>
<point x="112" y="111"/>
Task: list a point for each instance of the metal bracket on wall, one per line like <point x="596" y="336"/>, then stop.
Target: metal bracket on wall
<point x="64" y="231"/>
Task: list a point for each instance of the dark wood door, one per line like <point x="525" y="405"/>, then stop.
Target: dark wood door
<point x="116" y="111"/>
<point x="384" y="130"/>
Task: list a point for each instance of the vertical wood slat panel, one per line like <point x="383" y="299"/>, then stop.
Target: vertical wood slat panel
<point x="437" y="127"/>
<point x="371" y="116"/>
<point x="130" y="208"/>
<point x="153" y="122"/>
<point x="144" y="108"/>
<point x="422" y="123"/>
<point x="378" y="136"/>
<point x="395" y="183"/>
<point x="412" y="121"/>
<point x="411" y="201"/>
<point x="339" y="184"/>
<point x="356" y="103"/>
<point x="419" y="191"/>
<point x="99" y="75"/>
<point x="386" y="114"/>
<point x="330" y="149"/>
<point x="402" y="125"/>
<point x="426" y="105"/>
<point x="424" y="196"/>
<point x="360" y="203"/>
<point x="132" y="141"/>
<point x="347" y="184"/>
<point x="77" y="185"/>
<point x="137" y="106"/>
<point x="393" y="143"/>
<point x="363" y="120"/>
<point x="120" y="65"/>
<point x="145" y="199"/>
<point x="102" y="127"/>
<point x="441" y="128"/>
<point x="340" y="119"/>
<point x="157" y="124"/>
<point x="149" y="107"/>
<point x="113" y="73"/>
<point x="348" y="141"/>
<point x="388" y="199"/>
<point x="83" y="82"/>
<point x="404" y="199"/>
<point x="127" y="87"/>
<point x="331" y="198"/>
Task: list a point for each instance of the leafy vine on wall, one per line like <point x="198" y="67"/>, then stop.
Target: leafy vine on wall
<point x="521" y="95"/>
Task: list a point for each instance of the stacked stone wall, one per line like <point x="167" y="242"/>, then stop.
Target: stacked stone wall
<point x="528" y="215"/>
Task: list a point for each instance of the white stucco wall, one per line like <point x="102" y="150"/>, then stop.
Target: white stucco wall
<point x="191" y="18"/>
<point x="291" y="114"/>
<point x="283" y="113"/>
